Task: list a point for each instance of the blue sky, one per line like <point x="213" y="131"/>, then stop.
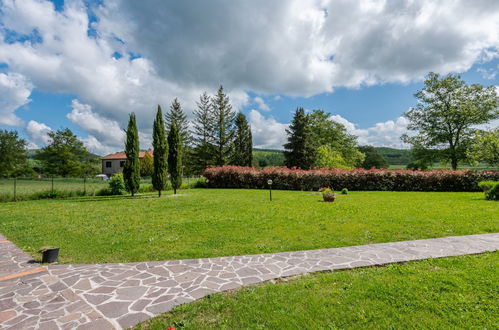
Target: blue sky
<point x="59" y="65"/>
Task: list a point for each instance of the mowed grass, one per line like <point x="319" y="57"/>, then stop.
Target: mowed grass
<point x="448" y="293"/>
<point x="29" y="186"/>
<point x="211" y="223"/>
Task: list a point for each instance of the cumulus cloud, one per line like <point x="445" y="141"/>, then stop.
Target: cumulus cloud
<point x="261" y="104"/>
<point x="14" y="93"/>
<point x="383" y="134"/>
<point x="267" y="132"/>
<point x="38" y="133"/>
<point x="174" y="49"/>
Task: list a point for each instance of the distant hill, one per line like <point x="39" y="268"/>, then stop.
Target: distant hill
<point x="395" y="156"/>
<point x="268" y="157"/>
<point x="31" y="153"/>
<point x="273" y="157"/>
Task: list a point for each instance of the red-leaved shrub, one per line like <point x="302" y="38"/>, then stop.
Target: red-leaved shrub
<point x="356" y="179"/>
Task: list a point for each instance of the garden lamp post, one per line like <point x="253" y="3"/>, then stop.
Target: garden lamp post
<point x="269" y="182"/>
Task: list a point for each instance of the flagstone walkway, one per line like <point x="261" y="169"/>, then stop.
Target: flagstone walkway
<point x="107" y="296"/>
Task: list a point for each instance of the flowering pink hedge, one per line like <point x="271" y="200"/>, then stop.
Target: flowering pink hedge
<point x="357" y="179"/>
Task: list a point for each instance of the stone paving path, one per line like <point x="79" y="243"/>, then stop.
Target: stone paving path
<point x="120" y="295"/>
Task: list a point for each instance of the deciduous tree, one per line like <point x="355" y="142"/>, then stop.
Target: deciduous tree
<point x="12" y="152"/>
<point x="446" y="113"/>
<point x="485" y="147"/>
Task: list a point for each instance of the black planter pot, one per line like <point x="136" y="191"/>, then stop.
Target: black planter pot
<point x="50" y="255"/>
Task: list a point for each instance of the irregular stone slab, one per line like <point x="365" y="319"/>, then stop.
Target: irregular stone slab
<point x="120" y="295"/>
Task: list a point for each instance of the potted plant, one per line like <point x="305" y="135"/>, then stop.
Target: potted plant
<point x="328" y="194"/>
<point x="49" y="254"/>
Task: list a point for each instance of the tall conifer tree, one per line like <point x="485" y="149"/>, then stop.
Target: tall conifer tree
<point x="223" y="127"/>
<point x="300" y="149"/>
<point x="131" y="170"/>
<point x="203" y="134"/>
<point x="242" y="145"/>
<point x="160" y="145"/>
<point x="175" y="157"/>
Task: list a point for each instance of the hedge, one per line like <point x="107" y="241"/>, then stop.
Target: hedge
<point x="356" y="179"/>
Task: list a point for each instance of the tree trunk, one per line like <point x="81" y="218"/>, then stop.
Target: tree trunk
<point x="174" y="191"/>
<point x="159" y="193"/>
<point x="454" y="163"/>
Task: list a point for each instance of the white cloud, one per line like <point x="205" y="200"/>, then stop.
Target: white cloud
<point x="38" y="133"/>
<point x="14" y="93"/>
<point x="295" y="47"/>
<point x="261" y="104"/>
<point x="267" y="132"/>
<point x="383" y="134"/>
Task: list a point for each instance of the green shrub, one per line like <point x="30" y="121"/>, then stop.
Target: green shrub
<point x="344" y="191"/>
<point x="146" y="188"/>
<point x="491" y="189"/>
<point x="117" y="184"/>
<point x="200" y="182"/>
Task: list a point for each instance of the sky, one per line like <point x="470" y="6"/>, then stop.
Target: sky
<point x="87" y="64"/>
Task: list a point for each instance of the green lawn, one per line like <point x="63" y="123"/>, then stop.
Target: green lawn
<point x="449" y="293"/>
<point x="210" y="222"/>
<point x="28" y="186"/>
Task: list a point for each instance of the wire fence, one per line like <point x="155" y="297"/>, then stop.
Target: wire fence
<point x="12" y="189"/>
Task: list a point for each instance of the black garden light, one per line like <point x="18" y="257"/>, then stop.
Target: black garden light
<point x="269" y="182"/>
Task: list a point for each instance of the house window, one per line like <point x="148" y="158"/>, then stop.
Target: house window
<point x="122" y="163"/>
<point x="109" y="164"/>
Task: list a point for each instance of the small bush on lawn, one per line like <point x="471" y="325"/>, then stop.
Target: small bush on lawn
<point x="356" y="179"/>
<point x="116" y="186"/>
<point x="344" y="191"/>
<point x="491" y="189"/>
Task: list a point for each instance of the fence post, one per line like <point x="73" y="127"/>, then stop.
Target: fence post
<point x="15" y="188"/>
<point x="52" y="184"/>
<point x="84" y="185"/>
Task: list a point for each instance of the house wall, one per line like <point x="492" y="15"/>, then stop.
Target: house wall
<point x="115" y="166"/>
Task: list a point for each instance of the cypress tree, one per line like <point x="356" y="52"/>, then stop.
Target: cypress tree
<point x="203" y="134"/>
<point x="242" y="145"/>
<point x="131" y="170"/>
<point x="177" y="115"/>
<point x="175" y="157"/>
<point x="160" y="145"/>
<point x="223" y="127"/>
<point x="300" y="149"/>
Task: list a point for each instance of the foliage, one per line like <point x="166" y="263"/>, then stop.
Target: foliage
<point x="131" y="170"/>
<point x="444" y="293"/>
<point x="176" y="115"/>
<point x="485" y="147"/>
<point x="242" y="153"/>
<point x="417" y="165"/>
<point x="117" y="184"/>
<point x="326" y="157"/>
<point x="327" y="132"/>
<point x="356" y="179"/>
<point x="26" y="172"/>
<point x="146" y="165"/>
<point x="344" y="191"/>
<point x="238" y="222"/>
<point x="491" y="189"/>
<point x="160" y="145"/>
<point x="64" y="155"/>
<point x="175" y="157"/>
<point x="300" y="148"/>
<point x="204" y="132"/>
<point x="372" y="158"/>
<point x="223" y="127"/>
<point x="446" y="113"/>
<point x="395" y="156"/>
<point x="12" y="152"/>
<point x="268" y="157"/>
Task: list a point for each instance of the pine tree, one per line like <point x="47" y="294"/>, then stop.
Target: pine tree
<point x="160" y="145"/>
<point x="203" y="130"/>
<point x="242" y="145"/>
<point x="175" y="157"/>
<point x="176" y="115"/>
<point x="131" y="170"/>
<point x="300" y="149"/>
<point x="223" y="127"/>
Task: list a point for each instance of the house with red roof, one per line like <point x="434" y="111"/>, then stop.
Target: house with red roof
<point x="114" y="163"/>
